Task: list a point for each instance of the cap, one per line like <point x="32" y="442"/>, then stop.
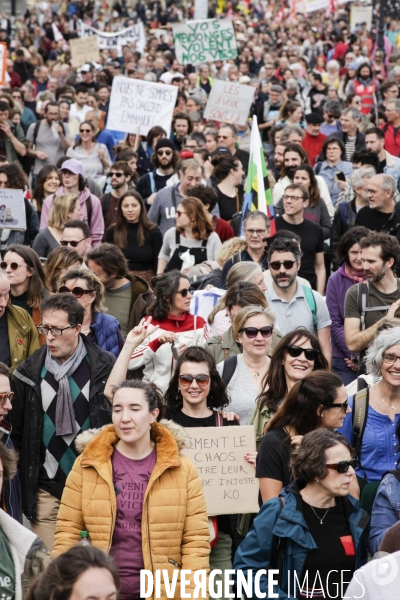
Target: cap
<point x="74" y="166"/>
<point x="314" y="118"/>
<point x="221" y="150"/>
<point x="86" y="68"/>
<point x="164" y="143"/>
<point x="277" y="88"/>
<point x="184" y="154"/>
<point x="244" y="79"/>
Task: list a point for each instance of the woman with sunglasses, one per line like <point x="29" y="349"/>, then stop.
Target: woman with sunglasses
<point x="194" y="398"/>
<point x="313" y="532"/>
<point x="173" y="328"/>
<point x="94" y="156"/>
<point x="252" y="328"/>
<point x="295" y="357"/>
<point x="99" y="327"/>
<point x="64" y="208"/>
<point x="47" y="183"/>
<point x="319" y="401"/>
<point x="139" y="239"/>
<point x="194" y="231"/>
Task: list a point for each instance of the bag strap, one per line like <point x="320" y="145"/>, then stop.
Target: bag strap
<point x="89" y="208"/>
<point x="359" y="419"/>
<point x="362" y="301"/>
<point x="230" y="365"/>
<point x="312" y="306"/>
<point x="204" y="243"/>
<point x="318" y="168"/>
<point x="177" y="237"/>
<point x="237" y="201"/>
<point x="105" y="203"/>
<point x="36" y="130"/>
<point x="152" y="182"/>
<point x="219" y="422"/>
<point x="173" y="194"/>
<point x="237" y="258"/>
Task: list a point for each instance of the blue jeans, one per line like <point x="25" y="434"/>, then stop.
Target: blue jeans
<point x="340" y="368"/>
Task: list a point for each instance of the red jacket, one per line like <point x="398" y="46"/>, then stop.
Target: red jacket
<point x="392" y="139"/>
<point x="313" y="145"/>
<point x="223" y="229"/>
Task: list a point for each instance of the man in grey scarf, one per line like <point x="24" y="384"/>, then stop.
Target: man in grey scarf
<point x="59" y="394"/>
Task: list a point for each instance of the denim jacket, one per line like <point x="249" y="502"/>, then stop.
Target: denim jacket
<point x="385" y="511"/>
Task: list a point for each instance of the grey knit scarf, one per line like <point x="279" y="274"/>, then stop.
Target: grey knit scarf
<point x="65" y="415"/>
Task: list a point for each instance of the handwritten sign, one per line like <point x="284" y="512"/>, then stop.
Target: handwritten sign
<point x="204" y="41"/>
<point x="229" y="102"/>
<point x="84" y="50"/>
<point x="107" y="40"/>
<point x="229" y="482"/>
<point x="3" y="63"/>
<point x="200" y="9"/>
<point x="12" y="210"/>
<point x="143" y="104"/>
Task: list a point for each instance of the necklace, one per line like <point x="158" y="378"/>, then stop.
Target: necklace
<point x="388" y="403"/>
<point x="320" y="519"/>
<point x="255" y="373"/>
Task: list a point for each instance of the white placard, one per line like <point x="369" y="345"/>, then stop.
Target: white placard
<point x="200" y="9"/>
<point x="229" y="102"/>
<point x="12" y="209"/>
<point x="143" y="104"/>
<point x="360" y="14"/>
<point x="314" y="5"/>
<point x="204" y="41"/>
<point x="106" y="40"/>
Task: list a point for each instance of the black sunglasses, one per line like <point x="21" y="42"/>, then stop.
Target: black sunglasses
<point x="85" y="131"/>
<point x="296" y="351"/>
<point x="343" y="405"/>
<point x="73" y="244"/>
<point x="117" y="174"/>
<point x="201" y="380"/>
<point x="344" y="465"/>
<point x="185" y="292"/>
<point x="76" y="291"/>
<point x="252" y="332"/>
<point x="276" y="265"/>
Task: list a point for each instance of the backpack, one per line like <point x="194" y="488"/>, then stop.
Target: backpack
<point x="105" y="203"/>
<point x="36" y="129"/>
<point x="230" y="365"/>
<point x="310" y="298"/>
<point x="362" y="302"/>
<point x="318" y="168"/>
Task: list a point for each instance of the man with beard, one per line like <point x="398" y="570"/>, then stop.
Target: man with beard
<point x="126" y="296"/>
<point x="293" y="303"/>
<point x="120" y="174"/>
<point x="369" y="304"/>
<point x="165" y="159"/>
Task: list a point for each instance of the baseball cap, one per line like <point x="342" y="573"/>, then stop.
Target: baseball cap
<point x="74" y="166"/>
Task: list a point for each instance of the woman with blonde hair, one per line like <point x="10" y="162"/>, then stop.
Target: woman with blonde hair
<point x="93" y="155"/>
<point x="194" y="225"/>
<point x="229" y="248"/>
<point x="64" y="208"/>
<point x="102" y="329"/>
<point x="59" y="261"/>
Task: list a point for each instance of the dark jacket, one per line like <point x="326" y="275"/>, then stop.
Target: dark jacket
<point x="344" y="218"/>
<point x="360" y="139"/>
<point x="107" y="333"/>
<point x="142" y="297"/>
<point x="26" y="416"/>
<point x="259" y="548"/>
<point x="10" y="496"/>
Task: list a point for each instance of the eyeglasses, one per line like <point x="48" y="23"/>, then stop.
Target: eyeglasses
<point x="296" y="351"/>
<point x="252" y="332"/>
<point x="343" y="405"/>
<point x="344" y="465"/>
<point x="390" y="358"/>
<point x="56" y="331"/>
<point x="13" y="266"/>
<point x="179" y="213"/>
<point x="6" y="396"/>
<point x="372" y="192"/>
<point x="76" y="291"/>
<point x="276" y="264"/>
<point x="85" y="131"/>
<point x="73" y="244"/>
<point x="293" y="198"/>
<point x="116" y="174"/>
<point x="331" y="116"/>
<point x="162" y="152"/>
<point x="255" y="231"/>
<point x="201" y="380"/>
<point x="185" y="292"/>
<point x="224" y="137"/>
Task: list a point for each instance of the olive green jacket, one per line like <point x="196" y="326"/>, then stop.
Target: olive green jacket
<point x="11" y="152"/>
<point x="22" y="335"/>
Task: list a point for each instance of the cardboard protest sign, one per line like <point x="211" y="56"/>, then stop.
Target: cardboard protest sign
<point x="108" y="40"/>
<point x="229" y="482"/>
<point x="229" y="102"/>
<point x="84" y="50"/>
<point x="360" y="14"/>
<point x="204" y="41"/>
<point x="3" y="63"/>
<point x="200" y="9"/>
<point x="12" y="209"/>
<point x="143" y="104"/>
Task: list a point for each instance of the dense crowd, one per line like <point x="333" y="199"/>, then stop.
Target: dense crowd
<point x="141" y="300"/>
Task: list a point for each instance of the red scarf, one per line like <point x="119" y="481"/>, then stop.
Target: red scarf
<point x="355" y="276"/>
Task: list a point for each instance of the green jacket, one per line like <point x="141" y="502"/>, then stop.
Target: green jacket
<point x="17" y="130"/>
<point x="259" y="420"/>
<point x="23" y="337"/>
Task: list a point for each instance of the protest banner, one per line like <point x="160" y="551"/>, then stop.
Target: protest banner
<point x="229" y="482"/>
<point x="108" y="40"/>
<point x="229" y="102"/>
<point x="12" y="209"/>
<point x="360" y="14"/>
<point x="204" y="41"/>
<point x="314" y="5"/>
<point x="84" y="50"/>
<point x="200" y="9"/>
<point x="143" y="104"/>
<point x="3" y="63"/>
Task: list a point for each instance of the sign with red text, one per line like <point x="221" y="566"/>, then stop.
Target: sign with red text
<point x="229" y="102"/>
<point x="229" y="481"/>
<point x="3" y="64"/>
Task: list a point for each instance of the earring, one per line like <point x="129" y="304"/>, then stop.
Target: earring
<point x="322" y="414"/>
<point x="317" y="481"/>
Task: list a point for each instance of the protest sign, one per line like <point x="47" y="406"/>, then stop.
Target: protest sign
<point x="314" y="5"/>
<point x="3" y="63"/>
<point x="143" y="104"/>
<point x="229" y="102"/>
<point x="84" y="50"/>
<point x="12" y="209"/>
<point x="200" y="9"/>
<point x="360" y="14"/>
<point x="108" y="40"/>
<point x="229" y="482"/>
<point x="204" y="41"/>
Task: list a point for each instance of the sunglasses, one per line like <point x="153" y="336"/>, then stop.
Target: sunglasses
<point x="343" y="405"/>
<point x="115" y="174"/>
<point x="76" y="291"/>
<point x="85" y="131"/>
<point x="179" y="213"/>
<point x="296" y="351"/>
<point x="252" y="332"/>
<point x="73" y="244"/>
<point x="201" y="380"/>
<point x="13" y="266"/>
<point x="344" y="465"/>
<point x="162" y="152"/>
<point x="4" y="396"/>
<point x="185" y="292"/>
<point x="276" y="265"/>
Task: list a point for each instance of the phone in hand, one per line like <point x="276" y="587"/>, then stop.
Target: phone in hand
<point x="340" y="176"/>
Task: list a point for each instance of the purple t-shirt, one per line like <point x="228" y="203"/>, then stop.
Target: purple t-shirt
<point x="130" y="478"/>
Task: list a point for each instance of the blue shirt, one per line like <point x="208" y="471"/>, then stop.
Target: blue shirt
<point x="379" y="447"/>
<point x="329" y="174"/>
